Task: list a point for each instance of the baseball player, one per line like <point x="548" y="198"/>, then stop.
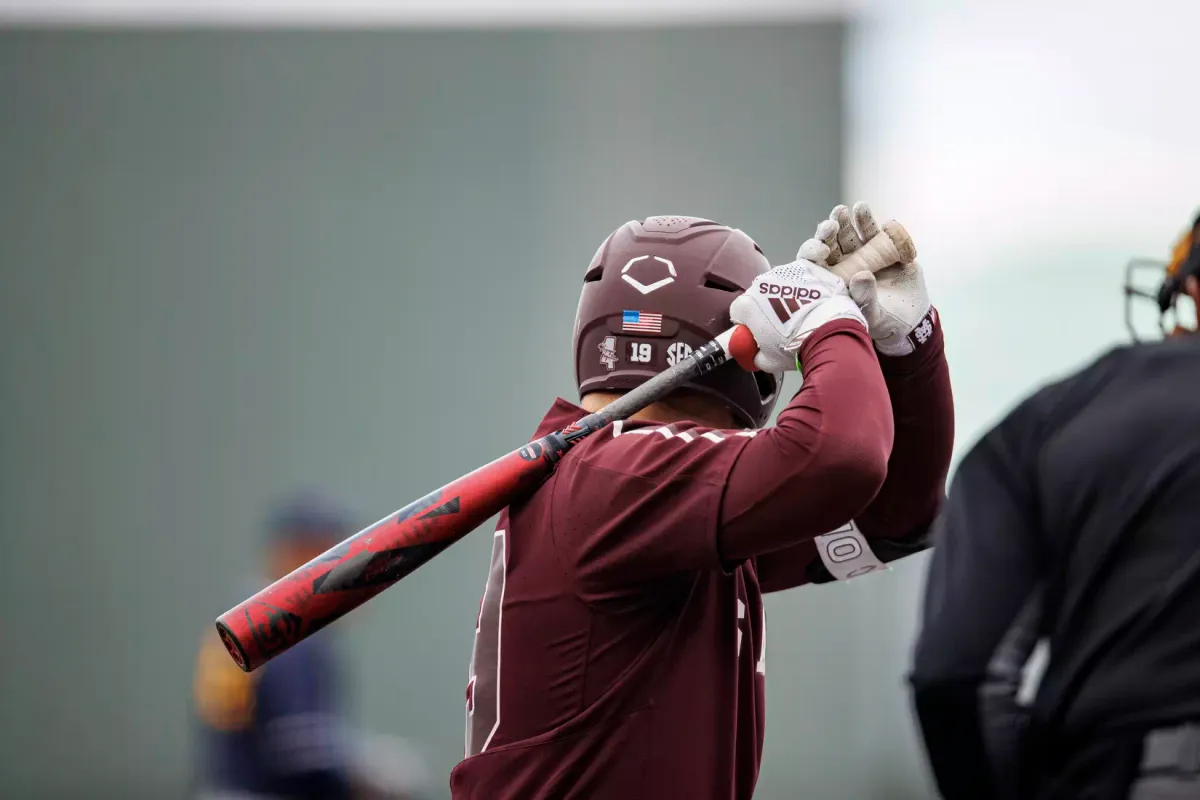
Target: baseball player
<point x="281" y="733"/>
<point x="620" y="646"/>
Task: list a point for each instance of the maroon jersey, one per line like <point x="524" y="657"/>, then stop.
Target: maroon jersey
<point x="620" y="646"/>
<point x="610" y="641"/>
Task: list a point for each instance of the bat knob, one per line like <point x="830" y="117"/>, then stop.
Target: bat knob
<point x="903" y="242"/>
<point x="236" y="651"/>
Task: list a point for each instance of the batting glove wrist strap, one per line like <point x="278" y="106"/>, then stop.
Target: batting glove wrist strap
<point x="896" y="305"/>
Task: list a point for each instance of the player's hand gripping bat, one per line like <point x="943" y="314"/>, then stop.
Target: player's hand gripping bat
<point x="346" y="576"/>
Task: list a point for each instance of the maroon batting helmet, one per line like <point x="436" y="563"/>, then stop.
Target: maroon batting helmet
<point x="658" y="289"/>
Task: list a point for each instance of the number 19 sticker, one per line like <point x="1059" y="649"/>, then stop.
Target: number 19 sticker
<point x="641" y="352"/>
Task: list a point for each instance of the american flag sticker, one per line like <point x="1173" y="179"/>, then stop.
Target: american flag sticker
<point x="641" y="321"/>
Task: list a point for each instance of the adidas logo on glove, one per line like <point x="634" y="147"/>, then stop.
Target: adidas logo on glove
<point x="802" y="293"/>
<point x="786" y="300"/>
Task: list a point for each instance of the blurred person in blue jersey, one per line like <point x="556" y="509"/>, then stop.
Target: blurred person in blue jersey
<point x="281" y="731"/>
<point x="1074" y="522"/>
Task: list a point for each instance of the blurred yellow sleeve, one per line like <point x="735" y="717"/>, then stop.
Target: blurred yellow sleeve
<point x="223" y="695"/>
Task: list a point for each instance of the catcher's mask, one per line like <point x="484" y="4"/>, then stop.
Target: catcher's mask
<point x="1162" y="282"/>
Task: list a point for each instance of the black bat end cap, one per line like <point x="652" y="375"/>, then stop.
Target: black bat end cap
<point x="233" y="646"/>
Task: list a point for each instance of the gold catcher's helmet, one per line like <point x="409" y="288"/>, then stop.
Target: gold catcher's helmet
<point x="1142" y="274"/>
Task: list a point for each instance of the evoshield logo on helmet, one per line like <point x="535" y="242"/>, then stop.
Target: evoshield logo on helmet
<point x="641" y="287"/>
<point x="608" y="353"/>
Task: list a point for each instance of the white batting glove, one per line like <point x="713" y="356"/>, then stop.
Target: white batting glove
<point x="788" y="303"/>
<point x="894" y="300"/>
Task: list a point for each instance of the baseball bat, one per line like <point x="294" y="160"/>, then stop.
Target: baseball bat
<point x="349" y="574"/>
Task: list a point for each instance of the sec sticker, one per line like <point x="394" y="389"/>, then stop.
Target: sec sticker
<point x="677" y="352"/>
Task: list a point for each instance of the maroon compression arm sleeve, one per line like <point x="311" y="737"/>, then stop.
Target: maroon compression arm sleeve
<point x="825" y="458"/>
<point x="923" y="410"/>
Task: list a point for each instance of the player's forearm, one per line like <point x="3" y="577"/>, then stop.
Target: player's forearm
<point x="825" y="458"/>
<point x="899" y="517"/>
<point x="923" y="412"/>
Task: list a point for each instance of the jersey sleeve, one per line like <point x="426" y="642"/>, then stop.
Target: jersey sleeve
<point x="824" y="460"/>
<point x="222" y="694"/>
<point x="981" y="609"/>
<point x="918" y="387"/>
<point x="664" y="500"/>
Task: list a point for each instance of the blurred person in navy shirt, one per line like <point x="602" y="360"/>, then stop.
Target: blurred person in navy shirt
<point x="280" y="731"/>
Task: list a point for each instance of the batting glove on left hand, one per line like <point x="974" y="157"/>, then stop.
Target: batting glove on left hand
<point x="894" y="300"/>
<point x="788" y="303"/>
